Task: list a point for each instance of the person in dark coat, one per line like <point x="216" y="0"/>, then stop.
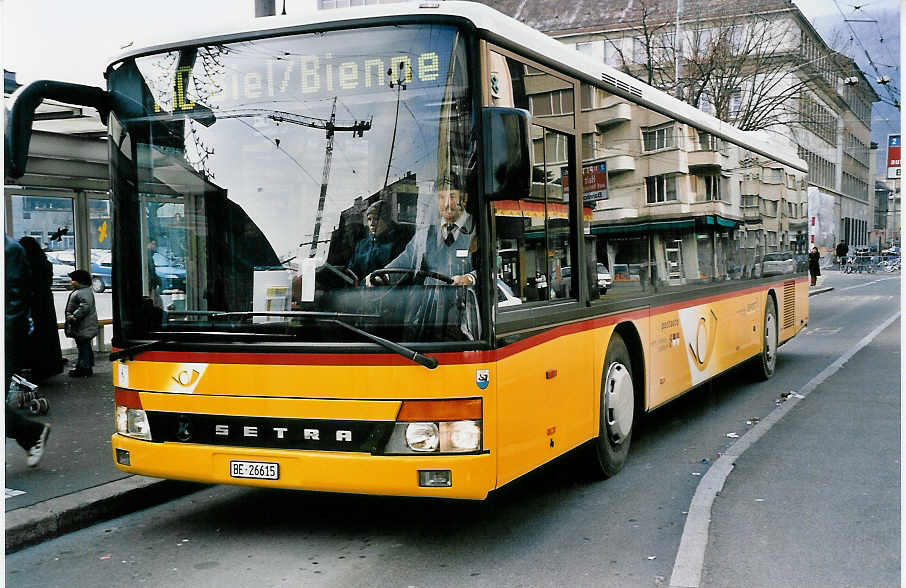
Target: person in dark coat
<point x="813" y="269"/>
<point x="382" y="245"/>
<point x="30" y="435"/>
<point x="42" y="355"/>
<point x="82" y="317"/>
<point x="842" y="251"/>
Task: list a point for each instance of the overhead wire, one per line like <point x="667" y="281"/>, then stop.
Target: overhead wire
<point x="894" y="94"/>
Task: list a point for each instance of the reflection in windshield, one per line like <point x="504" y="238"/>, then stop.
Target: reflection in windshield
<point x="276" y="175"/>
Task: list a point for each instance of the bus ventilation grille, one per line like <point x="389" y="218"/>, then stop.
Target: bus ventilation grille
<point x="609" y="79"/>
<point x="789" y="304"/>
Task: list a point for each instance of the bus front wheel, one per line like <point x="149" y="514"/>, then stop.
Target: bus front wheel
<point x="611" y="447"/>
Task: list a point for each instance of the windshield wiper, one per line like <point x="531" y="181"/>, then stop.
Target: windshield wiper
<point x="129" y="353"/>
<point x="425" y="360"/>
<point x="328" y="317"/>
<point x="291" y="314"/>
<point x="334" y="317"/>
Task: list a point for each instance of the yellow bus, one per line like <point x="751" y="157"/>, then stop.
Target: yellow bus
<point x="421" y="249"/>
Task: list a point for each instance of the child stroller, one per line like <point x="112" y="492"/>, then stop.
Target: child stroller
<point x="24" y="395"/>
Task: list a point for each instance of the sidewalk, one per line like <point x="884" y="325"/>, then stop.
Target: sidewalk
<point x="77" y="483"/>
<point x="789" y="516"/>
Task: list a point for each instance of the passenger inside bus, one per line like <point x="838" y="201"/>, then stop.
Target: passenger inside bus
<point x="385" y="241"/>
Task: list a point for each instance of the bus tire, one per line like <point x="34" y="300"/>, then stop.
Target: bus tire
<point x="610" y="448"/>
<point x="765" y="362"/>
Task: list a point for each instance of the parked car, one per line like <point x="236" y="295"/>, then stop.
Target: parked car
<point x="172" y="277"/>
<point x="505" y="296"/>
<point x="100" y="277"/>
<point x="775" y="264"/>
<point x="61" y="270"/>
<point x="605" y="280"/>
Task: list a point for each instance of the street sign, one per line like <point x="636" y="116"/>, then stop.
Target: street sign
<point x="594" y="181"/>
<point x="893" y="157"/>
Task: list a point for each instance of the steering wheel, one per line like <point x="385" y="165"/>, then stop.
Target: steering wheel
<point x="344" y="273"/>
<point x="409" y="275"/>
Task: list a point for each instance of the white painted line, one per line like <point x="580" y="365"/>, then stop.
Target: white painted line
<point x="10" y="493"/>
<point x="690" y="558"/>
<point x="868" y="283"/>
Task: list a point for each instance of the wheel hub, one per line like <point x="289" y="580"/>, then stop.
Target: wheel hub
<point x="770" y="339"/>
<point x="619" y="402"/>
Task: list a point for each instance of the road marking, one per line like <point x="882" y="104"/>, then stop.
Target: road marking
<point x="10" y="493"/>
<point x="868" y="283"/>
<point x="690" y="558"/>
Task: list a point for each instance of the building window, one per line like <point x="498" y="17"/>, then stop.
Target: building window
<point x="660" y="188"/>
<point x="553" y="103"/>
<point x="658" y="138"/>
<point x="708" y="142"/>
<point x="735" y="103"/>
<point x="708" y="187"/>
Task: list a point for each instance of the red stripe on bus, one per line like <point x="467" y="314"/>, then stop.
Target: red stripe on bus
<point x="448" y="358"/>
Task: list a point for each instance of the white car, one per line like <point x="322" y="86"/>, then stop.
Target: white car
<point x="605" y="280"/>
<point x="775" y="264"/>
<point x="505" y="296"/>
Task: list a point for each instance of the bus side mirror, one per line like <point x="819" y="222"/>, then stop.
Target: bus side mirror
<point x="22" y="114"/>
<point x="507" y="153"/>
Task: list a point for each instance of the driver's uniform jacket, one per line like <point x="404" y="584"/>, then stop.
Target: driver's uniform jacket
<point x="436" y="256"/>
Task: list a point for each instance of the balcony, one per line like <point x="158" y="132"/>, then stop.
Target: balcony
<point x="704" y="159"/>
<point x="619" y="163"/>
<point x="611" y="115"/>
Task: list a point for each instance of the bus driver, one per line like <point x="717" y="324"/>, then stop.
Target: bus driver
<point x="448" y="244"/>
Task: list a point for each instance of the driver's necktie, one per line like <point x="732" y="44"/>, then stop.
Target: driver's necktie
<point x="451" y="230"/>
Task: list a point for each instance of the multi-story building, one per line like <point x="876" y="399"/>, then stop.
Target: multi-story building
<point x="776" y="74"/>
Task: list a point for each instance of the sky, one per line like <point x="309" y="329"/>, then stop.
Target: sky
<point x="73" y="40"/>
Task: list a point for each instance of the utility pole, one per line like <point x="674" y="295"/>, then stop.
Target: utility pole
<point x="400" y="86"/>
<point x="328" y="156"/>
<point x="678" y="51"/>
<point x="357" y="128"/>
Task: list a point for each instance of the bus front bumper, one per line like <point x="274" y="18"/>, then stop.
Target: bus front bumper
<point x="472" y="476"/>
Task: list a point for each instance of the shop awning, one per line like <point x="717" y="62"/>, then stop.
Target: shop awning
<point x="533" y="209"/>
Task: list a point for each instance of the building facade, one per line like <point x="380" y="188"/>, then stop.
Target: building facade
<point x="776" y="74"/>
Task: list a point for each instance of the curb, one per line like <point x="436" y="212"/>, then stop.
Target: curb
<point x="49" y="519"/>
<point x="820" y="290"/>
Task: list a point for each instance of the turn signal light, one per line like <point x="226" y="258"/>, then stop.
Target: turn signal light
<point x="459" y="409"/>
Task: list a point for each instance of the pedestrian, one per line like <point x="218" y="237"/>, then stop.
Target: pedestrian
<point x="82" y="322"/>
<point x="30" y="435"/>
<point x="43" y="354"/>
<point x="814" y="257"/>
<point x="842" y="251"/>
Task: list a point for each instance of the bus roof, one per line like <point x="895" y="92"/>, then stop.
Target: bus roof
<point x="503" y="30"/>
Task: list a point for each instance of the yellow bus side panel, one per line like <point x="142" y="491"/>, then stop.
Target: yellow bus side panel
<point x="693" y="344"/>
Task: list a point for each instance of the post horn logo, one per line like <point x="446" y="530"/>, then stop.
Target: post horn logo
<point x="187" y="377"/>
<point x="703" y="344"/>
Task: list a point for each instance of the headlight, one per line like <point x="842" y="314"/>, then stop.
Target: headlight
<point x="457" y="436"/>
<point x="133" y="422"/>
<point x="422" y="436"/>
<point x="437" y="426"/>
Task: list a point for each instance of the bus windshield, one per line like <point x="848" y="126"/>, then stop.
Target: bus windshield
<point x="267" y="187"/>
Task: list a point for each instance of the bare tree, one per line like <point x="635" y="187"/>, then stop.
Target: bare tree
<point x="746" y="69"/>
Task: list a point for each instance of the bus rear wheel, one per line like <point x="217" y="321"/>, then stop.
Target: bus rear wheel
<point x="610" y="448"/>
<point x="765" y="362"/>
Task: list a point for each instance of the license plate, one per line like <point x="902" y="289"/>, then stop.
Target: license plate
<point x="258" y="470"/>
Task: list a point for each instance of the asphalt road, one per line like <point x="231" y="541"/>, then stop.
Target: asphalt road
<point x="549" y="528"/>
